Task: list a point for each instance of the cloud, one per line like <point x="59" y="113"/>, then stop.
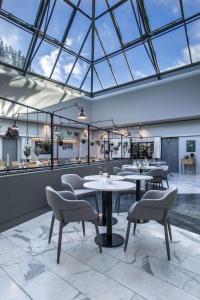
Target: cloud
<point x="47" y="61"/>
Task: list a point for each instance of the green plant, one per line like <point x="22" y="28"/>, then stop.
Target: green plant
<point x="111" y="144"/>
<point x="12" y="133"/>
<point x="60" y="138"/>
<point x="83" y="141"/>
<point x="116" y="148"/>
<point x="76" y="134"/>
<point x="92" y="143"/>
<point x="97" y="143"/>
<point x="27" y="151"/>
<point x="37" y="150"/>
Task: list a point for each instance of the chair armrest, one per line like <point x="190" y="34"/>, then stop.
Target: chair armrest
<point x="68" y="195"/>
<point x="68" y="186"/>
<point x="153" y="194"/>
<point x="151" y="203"/>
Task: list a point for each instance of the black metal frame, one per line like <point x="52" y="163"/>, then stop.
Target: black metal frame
<point x="44" y="14"/>
<point x="51" y="123"/>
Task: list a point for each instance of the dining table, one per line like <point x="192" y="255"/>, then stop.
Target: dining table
<point x="135" y="168"/>
<point x="102" y="220"/>
<point x="109" y="239"/>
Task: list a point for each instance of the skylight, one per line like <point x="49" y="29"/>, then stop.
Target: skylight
<point x="97" y="45"/>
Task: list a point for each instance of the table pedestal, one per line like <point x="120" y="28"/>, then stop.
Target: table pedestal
<point x="109" y="239"/>
<point x="102" y="219"/>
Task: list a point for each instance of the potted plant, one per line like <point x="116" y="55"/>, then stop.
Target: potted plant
<point x="27" y="151"/>
<point x="116" y="148"/>
<point x="111" y="144"/>
<point x="12" y="133"/>
<point x="97" y="143"/>
<point x="37" y="150"/>
<point x="92" y="143"/>
<point x="83" y="141"/>
<point x="69" y="132"/>
<point x="76" y="134"/>
<point x="60" y="139"/>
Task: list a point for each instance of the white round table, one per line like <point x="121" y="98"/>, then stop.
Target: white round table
<point x="109" y="239"/>
<point x="138" y="178"/>
<point x="102" y="219"/>
<point x="102" y="177"/>
<point x="135" y="167"/>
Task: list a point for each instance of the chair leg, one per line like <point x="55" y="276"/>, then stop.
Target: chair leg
<point x="169" y="230"/>
<point x="118" y="206"/>
<point x="96" y="202"/>
<point x="116" y="202"/>
<point x="127" y="235"/>
<point x="167" y="182"/>
<point x="134" y="228"/>
<point x="97" y="232"/>
<point x="59" y="242"/>
<point x="83" y="226"/>
<point x="51" y="228"/>
<point x="167" y="241"/>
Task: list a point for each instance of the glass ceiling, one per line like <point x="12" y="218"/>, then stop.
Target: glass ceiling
<point x="97" y="45"/>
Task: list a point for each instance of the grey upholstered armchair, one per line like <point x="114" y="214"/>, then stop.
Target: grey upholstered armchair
<point x="116" y="170"/>
<point x="157" y="175"/>
<point x="74" y="183"/>
<point x="155" y="205"/>
<point x="67" y="208"/>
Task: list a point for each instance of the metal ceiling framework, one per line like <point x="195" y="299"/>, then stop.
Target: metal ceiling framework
<point x="139" y="12"/>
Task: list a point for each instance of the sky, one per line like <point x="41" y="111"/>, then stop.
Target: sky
<point x="171" y="49"/>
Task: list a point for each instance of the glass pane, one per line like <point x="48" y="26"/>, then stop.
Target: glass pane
<point x="191" y="7"/>
<point x="22" y="9"/>
<point x="162" y="12"/>
<point x="100" y="7"/>
<point x="44" y="59"/>
<point x="63" y="67"/>
<point x="171" y="50"/>
<point x="78" y="73"/>
<point x="105" y="74"/>
<point x="126" y="22"/>
<point x="78" y="32"/>
<point x="14" y="43"/>
<point x="87" y="84"/>
<point x="113" y="2"/>
<point x="194" y="40"/>
<point x="98" y="50"/>
<point x="96" y="84"/>
<point x="139" y="62"/>
<point x="86" y="6"/>
<point x="86" y="51"/>
<point x="59" y="19"/>
<point x="120" y="69"/>
<point x="107" y="33"/>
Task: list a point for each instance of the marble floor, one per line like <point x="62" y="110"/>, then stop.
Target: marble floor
<point x="186" y="183"/>
<point x="28" y="268"/>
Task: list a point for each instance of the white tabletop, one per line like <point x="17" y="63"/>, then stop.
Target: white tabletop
<point x="113" y="186"/>
<point x="135" y="167"/>
<point x="102" y="177"/>
<point x="138" y="177"/>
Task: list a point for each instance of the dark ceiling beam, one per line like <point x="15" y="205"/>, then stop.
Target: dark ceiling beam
<point x="65" y="35"/>
<point x="80" y="50"/>
<point x="31" y="29"/>
<point x="92" y="47"/>
<point x="70" y="3"/>
<point x="84" y="78"/>
<point x="185" y="27"/>
<point x="101" y="84"/>
<point x="111" y="8"/>
<point x="148" y="33"/>
<point x="119" y="35"/>
<point x="38" y="23"/>
<point x="156" y="33"/>
<point x="131" y="83"/>
<point x="101" y="43"/>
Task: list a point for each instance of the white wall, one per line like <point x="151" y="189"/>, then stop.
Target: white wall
<point x="176" y="98"/>
<point x="182" y="150"/>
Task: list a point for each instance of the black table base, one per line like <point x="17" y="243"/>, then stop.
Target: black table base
<point x="102" y="221"/>
<point x="109" y="241"/>
<point x="138" y="198"/>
